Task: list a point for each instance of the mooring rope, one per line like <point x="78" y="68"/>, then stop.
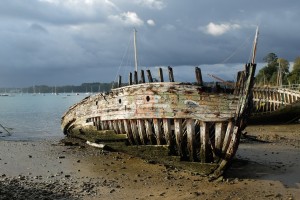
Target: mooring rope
<point x="5" y="129"/>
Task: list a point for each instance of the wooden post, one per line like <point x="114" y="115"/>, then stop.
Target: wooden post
<point x="160" y="74"/>
<point x="198" y="76"/>
<point x="142" y="76"/>
<point x="130" y="79"/>
<point x="120" y="81"/>
<point x="150" y="79"/>
<point x="171" y="77"/>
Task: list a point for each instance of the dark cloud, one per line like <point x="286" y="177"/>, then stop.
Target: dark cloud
<point x="60" y="42"/>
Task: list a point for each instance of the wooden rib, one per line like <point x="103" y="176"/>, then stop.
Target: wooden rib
<point x="229" y="153"/>
<point x="128" y="131"/>
<point x="179" y="136"/>
<point x="167" y="131"/>
<point x="204" y="142"/>
<point x="121" y="126"/>
<point x="227" y="137"/>
<point x="116" y="127"/>
<point x="142" y="131"/>
<point x="149" y="133"/>
<point x="158" y="131"/>
<point x="190" y="128"/>
<point x="219" y="137"/>
<point x="110" y="125"/>
<point x="134" y="130"/>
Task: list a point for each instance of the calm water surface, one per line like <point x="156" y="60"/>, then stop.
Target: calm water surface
<point x="30" y="117"/>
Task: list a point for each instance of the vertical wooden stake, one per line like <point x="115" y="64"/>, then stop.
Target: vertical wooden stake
<point x="142" y="76"/>
<point x="198" y="76"/>
<point x="136" y="81"/>
<point x="150" y="79"/>
<point x="160" y="74"/>
<point x="130" y="78"/>
<point x="120" y="81"/>
<point x="171" y="76"/>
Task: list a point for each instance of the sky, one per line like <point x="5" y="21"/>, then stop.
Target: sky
<point x="69" y="42"/>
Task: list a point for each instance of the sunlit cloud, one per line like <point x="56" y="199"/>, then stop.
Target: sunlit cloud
<point x="150" y="22"/>
<point x="128" y="18"/>
<point x="218" y="29"/>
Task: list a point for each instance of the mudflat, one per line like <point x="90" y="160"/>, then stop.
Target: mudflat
<point x="266" y="167"/>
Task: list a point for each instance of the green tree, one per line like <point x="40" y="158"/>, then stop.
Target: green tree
<point x="283" y="71"/>
<point x="294" y="76"/>
<point x="268" y="74"/>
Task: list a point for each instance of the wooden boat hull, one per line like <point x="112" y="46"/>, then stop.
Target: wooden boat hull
<point x="285" y="114"/>
<point x="273" y="105"/>
<point x="195" y="124"/>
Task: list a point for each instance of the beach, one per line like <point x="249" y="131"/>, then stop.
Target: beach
<point x="266" y="167"/>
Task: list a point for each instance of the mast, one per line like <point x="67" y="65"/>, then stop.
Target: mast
<point x="135" y="50"/>
<point x="254" y="46"/>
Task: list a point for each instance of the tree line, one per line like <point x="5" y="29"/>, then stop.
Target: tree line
<point x="83" y="88"/>
<point x="277" y="72"/>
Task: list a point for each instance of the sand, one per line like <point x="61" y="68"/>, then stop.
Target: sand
<point x="266" y="167"/>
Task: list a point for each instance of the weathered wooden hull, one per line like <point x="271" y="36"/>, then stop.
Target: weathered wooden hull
<point x="275" y="105"/>
<point x="197" y="125"/>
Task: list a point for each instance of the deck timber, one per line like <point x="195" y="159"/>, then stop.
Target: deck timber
<point x="197" y="124"/>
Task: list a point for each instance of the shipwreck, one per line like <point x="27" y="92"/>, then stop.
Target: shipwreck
<point x="196" y="123"/>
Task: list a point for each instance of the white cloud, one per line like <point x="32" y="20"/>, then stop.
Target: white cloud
<point x="128" y="18"/>
<point x="153" y="4"/>
<point x="219" y="29"/>
<point x="150" y="22"/>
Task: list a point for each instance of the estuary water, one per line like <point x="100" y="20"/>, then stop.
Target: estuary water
<point x="34" y="117"/>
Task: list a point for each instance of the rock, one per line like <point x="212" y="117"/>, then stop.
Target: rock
<point x="61" y="157"/>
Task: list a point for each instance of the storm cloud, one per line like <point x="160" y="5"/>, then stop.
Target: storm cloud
<point x="65" y="42"/>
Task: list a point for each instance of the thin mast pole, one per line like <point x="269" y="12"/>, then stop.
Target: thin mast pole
<point x="135" y="50"/>
<point x="254" y="46"/>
